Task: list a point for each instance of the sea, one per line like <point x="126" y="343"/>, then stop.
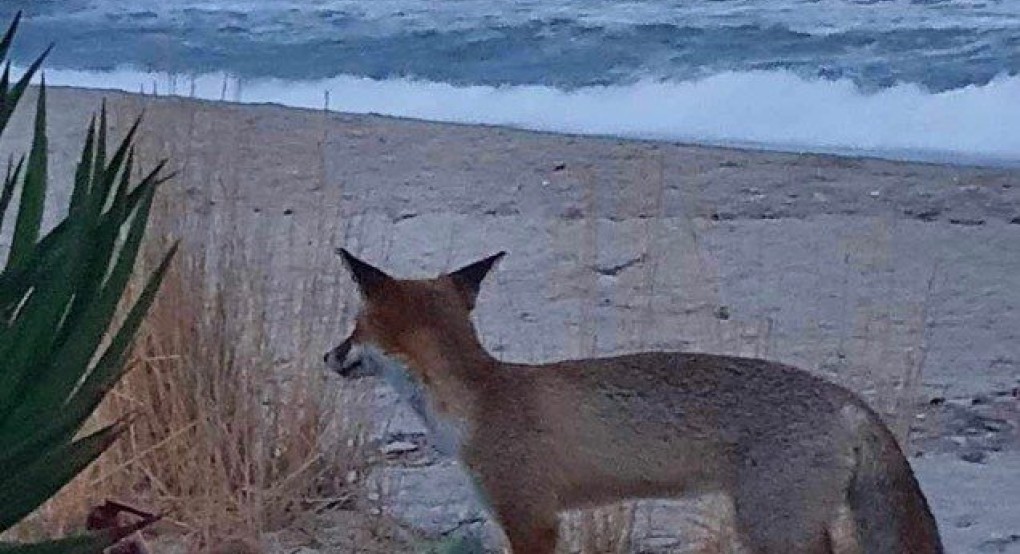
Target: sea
<point x="930" y="80"/>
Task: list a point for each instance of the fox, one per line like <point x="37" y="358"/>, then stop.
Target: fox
<point x="806" y="465"/>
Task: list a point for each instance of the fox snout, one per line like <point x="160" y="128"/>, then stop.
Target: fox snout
<point x="346" y="359"/>
<point x="334" y="359"/>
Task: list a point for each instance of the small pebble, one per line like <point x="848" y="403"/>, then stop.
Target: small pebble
<point x="399" y="447"/>
<point x="965" y="521"/>
<point x="973" y="456"/>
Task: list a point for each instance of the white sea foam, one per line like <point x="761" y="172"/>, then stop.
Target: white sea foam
<point x="768" y="109"/>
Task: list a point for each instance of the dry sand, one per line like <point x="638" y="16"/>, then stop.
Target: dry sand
<point x="865" y="270"/>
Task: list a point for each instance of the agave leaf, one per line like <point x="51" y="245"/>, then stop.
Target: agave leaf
<point x="104" y="376"/>
<point x="39" y="442"/>
<point x="5" y="79"/>
<point x="33" y="190"/>
<point x="101" y="151"/>
<point x="82" y="544"/>
<point x="5" y="85"/>
<point x="26" y="344"/>
<point x="14" y="95"/>
<point x="27" y="374"/>
<point x="103" y="187"/>
<point x="121" y="190"/>
<point x="89" y="543"/>
<point x="51" y="248"/>
<point x="88" y="328"/>
<point x="83" y="172"/>
<point x="15" y="283"/>
<point x="137" y="201"/>
<point x="5" y="43"/>
<point x="97" y="261"/>
<point x="107" y="176"/>
<point x="23" y="491"/>
<point x="110" y="366"/>
<point x="9" y="183"/>
<point x="56" y="235"/>
<point x="59" y="293"/>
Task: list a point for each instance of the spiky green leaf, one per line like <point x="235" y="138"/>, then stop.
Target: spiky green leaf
<point x="25" y="490"/>
<point x="58" y="297"/>
<point x="88" y="327"/>
<point x="84" y="170"/>
<point x="89" y="543"/>
<point x="10" y="181"/>
<point x="33" y="190"/>
<point x="109" y="368"/>
<point x="14" y="95"/>
<point x="5" y="43"/>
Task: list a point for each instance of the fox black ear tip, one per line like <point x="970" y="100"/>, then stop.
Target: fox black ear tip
<point x="493" y="259"/>
<point x="349" y="260"/>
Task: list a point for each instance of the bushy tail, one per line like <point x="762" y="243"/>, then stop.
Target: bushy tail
<point x="891" y="513"/>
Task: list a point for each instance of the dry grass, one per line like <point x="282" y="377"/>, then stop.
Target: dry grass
<point x="230" y="440"/>
<point x="226" y="441"/>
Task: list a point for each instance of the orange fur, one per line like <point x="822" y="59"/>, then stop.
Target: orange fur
<point x="808" y="466"/>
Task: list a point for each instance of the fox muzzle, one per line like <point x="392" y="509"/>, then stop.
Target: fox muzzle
<point x="347" y="360"/>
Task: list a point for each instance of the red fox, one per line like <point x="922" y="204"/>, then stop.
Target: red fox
<point x="809" y="467"/>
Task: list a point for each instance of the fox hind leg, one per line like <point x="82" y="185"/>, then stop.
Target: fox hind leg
<point x="775" y="517"/>
<point x="527" y="513"/>
<point x="532" y="539"/>
<point x="529" y="532"/>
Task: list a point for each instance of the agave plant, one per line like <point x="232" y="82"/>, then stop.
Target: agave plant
<point x="59" y="294"/>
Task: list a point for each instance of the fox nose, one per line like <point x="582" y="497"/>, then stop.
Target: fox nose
<point x="334" y="359"/>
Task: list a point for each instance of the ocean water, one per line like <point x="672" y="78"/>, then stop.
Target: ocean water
<point x="917" y="79"/>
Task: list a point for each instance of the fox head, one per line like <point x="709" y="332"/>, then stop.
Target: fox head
<point x="404" y="319"/>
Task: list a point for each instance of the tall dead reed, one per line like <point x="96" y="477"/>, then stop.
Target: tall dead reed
<point x="231" y="439"/>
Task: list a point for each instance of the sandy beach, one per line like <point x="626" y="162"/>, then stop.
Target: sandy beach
<point x="899" y="280"/>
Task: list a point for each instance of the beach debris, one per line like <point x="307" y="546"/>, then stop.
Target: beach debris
<point x="110" y="516"/>
<point x="974" y="456"/>
<point x="399" y="447"/>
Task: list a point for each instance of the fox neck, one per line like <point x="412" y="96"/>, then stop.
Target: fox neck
<point x="440" y="377"/>
<point x="451" y="365"/>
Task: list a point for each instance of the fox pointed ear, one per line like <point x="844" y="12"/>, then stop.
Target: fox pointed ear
<point x="468" y="279"/>
<point x="368" y="278"/>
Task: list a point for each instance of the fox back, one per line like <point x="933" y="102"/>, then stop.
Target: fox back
<point x="806" y="464"/>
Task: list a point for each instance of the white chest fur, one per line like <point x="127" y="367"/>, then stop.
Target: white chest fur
<point x="445" y="432"/>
